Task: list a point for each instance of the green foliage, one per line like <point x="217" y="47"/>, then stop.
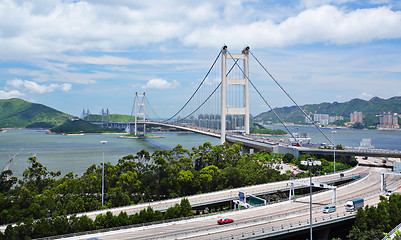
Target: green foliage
<point x="46" y="125"/>
<point x="81" y="126"/>
<point x="18" y="113"/>
<point x="6" y="181"/>
<point x="339" y="122"/>
<point x="288" y="157"/>
<point x="397" y="236"/>
<point x="111" y="118"/>
<point x="372" y="222"/>
<point x="370" y="110"/>
<point x="357" y="125"/>
<point x="268" y="131"/>
<point x="43" y="195"/>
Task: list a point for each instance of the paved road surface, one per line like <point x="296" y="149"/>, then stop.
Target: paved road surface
<point x="264" y="217"/>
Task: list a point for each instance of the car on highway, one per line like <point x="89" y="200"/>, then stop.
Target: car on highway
<point x="329" y="209"/>
<point x="389" y="192"/>
<point x="225" y="220"/>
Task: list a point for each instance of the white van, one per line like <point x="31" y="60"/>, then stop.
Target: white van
<point x="329" y="209"/>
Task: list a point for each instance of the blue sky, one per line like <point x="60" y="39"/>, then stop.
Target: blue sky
<point x="75" y="55"/>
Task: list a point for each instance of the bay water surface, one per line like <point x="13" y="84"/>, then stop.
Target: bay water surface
<point x="75" y="153"/>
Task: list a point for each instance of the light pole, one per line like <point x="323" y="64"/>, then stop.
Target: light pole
<point x="103" y="142"/>
<point x="310" y="162"/>
<point x="334" y="148"/>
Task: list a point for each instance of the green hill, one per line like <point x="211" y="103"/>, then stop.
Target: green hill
<point x="370" y="110"/>
<point x="17" y="113"/>
<point x="81" y="126"/>
<point x="112" y="118"/>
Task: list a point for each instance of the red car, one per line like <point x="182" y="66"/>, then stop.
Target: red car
<point x="224" y="221"/>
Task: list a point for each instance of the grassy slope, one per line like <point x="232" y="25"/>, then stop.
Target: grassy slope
<point x="17" y="113"/>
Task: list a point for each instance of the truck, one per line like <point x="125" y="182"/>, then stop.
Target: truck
<point x="354" y="204"/>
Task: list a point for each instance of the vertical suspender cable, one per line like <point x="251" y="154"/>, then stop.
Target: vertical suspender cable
<point x="267" y="103"/>
<point x="306" y="115"/>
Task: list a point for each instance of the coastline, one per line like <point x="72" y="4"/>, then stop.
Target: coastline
<point x="139" y="137"/>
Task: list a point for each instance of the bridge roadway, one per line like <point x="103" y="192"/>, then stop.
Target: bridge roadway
<point x="271" y="145"/>
<point x="263" y="219"/>
<point x="225" y="195"/>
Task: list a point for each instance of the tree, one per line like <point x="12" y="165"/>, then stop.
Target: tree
<point x="185" y="179"/>
<point x="186" y="209"/>
<point x="372" y="222"/>
<point x="357" y="125"/>
<point x="173" y="212"/>
<point x="6" y="181"/>
<point x="288" y="157"/>
<point x="208" y="177"/>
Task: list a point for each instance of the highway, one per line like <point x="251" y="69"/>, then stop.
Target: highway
<point x="263" y="218"/>
<point x="204" y="199"/>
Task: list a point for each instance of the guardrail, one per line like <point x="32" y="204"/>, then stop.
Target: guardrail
<point x="392" y="232"/>
<point x="246" y="234"/>
<point x="279" y="229"/>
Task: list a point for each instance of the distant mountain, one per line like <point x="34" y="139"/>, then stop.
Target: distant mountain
<point x="370" y="110"/>
<point x="18" y="113"/>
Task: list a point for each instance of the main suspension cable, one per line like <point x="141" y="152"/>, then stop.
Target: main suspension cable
<point x="204" y="79"/>
<point x="210" y="94"/>
<point x="151" y="109"/>
<point x="278" y="117"/>
<point x="306" y="115"/>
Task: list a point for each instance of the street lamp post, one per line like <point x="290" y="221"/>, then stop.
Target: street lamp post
<point x="310" y="162"/>
<point x="334" y="148"/>
<point x="103" y="142"/>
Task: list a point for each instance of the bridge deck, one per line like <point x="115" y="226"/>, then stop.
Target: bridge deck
<point x="262" y="218"/>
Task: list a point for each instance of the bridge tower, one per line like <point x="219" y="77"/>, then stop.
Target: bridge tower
<point x="140" y="101"/>
<point x="105" y="113"/>
<point x="225" y="81"/>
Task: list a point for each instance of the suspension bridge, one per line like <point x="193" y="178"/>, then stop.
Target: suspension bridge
<point x="220" y="107"/>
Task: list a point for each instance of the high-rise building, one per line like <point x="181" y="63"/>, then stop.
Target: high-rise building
<point x="308" y="120"/>
<point x="335" y="118"/>
<point x="321" y="118"/>
<point x="388" y="121"/>
<point x="356" y="117"/>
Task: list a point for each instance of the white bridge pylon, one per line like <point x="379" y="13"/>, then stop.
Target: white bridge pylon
<point x="225" y="81"/>
<point x="140" y="111"/>
<point x="314" y="184"/>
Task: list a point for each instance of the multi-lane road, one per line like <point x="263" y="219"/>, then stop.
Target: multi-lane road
<point x="265" y="219"/>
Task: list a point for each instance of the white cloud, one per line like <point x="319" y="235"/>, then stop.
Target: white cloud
<point x="25" y="30"/>
<point x="161" y="84"/>
<point x="10" y="94"/>
<point x="325" y="24"/>
<point x="34" y="87"/>
<point x="112" y="60"/>
<point x="365" y="96"/>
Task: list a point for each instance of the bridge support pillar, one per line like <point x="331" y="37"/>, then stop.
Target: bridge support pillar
<point x="246" y="149"/>
<point x="292" y="191"/>
<point x="322" y="234"/>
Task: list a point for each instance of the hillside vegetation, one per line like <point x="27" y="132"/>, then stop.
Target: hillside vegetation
<point x="112" y="118"/>
<point x="370" y="110"/>
<point x="81" y="126"/>
<point x="17" y="113"/>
